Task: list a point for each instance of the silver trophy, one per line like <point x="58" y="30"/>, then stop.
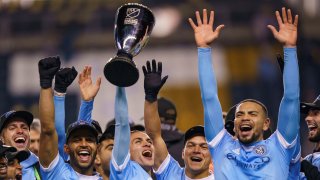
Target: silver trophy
<point x="133" y="25"/>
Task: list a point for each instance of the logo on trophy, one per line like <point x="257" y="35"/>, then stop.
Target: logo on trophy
<point x="133" y="25"/>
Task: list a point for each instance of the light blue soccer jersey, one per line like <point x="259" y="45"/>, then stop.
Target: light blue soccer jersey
<point x="129" y="170"/>
<point x="295" y="165"/>
<point x="314" y="158"/>
<point x="58" y="169"/>
<point x="28" y="167"/>
<point x="170" y="169"/>
<point x="267" y="159"/>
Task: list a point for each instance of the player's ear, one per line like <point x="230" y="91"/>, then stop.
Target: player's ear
<point x="183" y="153"/>
<point x="266" y="124"/>
<point x="66" y="149"/>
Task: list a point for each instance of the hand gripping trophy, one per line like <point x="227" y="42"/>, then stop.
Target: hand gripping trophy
<point x="133" y="25"/>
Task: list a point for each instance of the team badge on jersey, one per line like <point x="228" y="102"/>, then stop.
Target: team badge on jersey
<point x="260" y="150"/>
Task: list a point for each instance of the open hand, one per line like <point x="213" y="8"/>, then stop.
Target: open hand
<point x="287" y="34"/>
<point x="88" y="90"/>
<point x="203" y="32"/>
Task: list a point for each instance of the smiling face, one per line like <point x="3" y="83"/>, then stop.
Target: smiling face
<point x="14" y="169"/>
<point x="313" y="123"/>
<point x="3" y="167"/>
<point x="16" y="133"/>
<point x="82" y="148"/>
<point x="250" y="122"/>
<point x="196" y="157"/>
<point x="142" y="149"/>
<point x="103" y="157"/>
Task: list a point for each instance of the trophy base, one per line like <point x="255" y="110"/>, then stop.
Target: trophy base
<point x="121" y="71"/>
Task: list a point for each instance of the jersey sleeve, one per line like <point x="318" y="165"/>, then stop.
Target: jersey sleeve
<point x="289" y="112"/>
<point x="122" y="129"/>
<point x="57" y="168"/>
<point x="169" y="169"/>
<point x="85" y="110"/>
<point x="120" y="167"/>
<point x="213" y="119"/>
<point x="59" y="106"/>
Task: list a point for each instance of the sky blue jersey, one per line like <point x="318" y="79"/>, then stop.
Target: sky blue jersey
<point x="295" y="165"/>
<point x="28" y="167"/>
<point x="267" y="159"/>
<point x="170" y="169"/>
<point x="129" y="170"/>
<point x="121" y="167"/>
<point x="58" y="169"/>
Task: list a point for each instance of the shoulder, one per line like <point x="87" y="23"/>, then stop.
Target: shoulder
<point x="132" y="170"/>
<point x="58" y="168"/>
<point x="222" y="139"/>
<point x="169" y="169"/>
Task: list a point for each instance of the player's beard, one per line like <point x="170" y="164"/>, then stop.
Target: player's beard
<point x="315" y="138"/>
<point x="248" y="140"/>
<point x="74" y="159"/>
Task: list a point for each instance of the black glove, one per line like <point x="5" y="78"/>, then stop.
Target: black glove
<point x="152" y="80"/>
<point x="47" y="69"/>
<point x="64" y="78"/>
<point x="280" y="62"/>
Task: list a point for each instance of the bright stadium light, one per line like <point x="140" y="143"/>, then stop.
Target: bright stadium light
<point x="167" y="21"/>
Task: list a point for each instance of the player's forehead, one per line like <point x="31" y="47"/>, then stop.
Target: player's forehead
<point x="197" y="140"/>
<point x="139" y="135"/>
<point x="249" y="106"/>
<point x="17" y="122"/>
<point x="107" y="142"/>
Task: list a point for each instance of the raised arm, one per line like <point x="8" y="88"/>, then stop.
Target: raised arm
<point x="48" y="137"/>
<point x="204" y="36"/>
<point x="63" y="79"/>
<point x="152" y="85"/>
<point x="122" y="131"/>
<point x="289" y="113"/>
<point x="88" y="92"/>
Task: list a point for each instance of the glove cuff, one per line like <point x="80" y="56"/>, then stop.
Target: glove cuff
<point x="151" y="97"/>
<point x="60" y="88"/>
<point x="46" y="83"/>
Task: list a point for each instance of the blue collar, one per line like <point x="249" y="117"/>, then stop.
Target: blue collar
<point x="30" y="161"/>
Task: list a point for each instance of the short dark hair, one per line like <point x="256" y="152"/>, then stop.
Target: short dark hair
<point x="108" y="133"/>
<point x="192" y="132"/>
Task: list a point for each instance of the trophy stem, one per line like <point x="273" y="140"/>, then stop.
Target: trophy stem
<point x="122" y="53"/>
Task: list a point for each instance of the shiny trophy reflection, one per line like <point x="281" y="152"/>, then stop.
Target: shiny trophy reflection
<point x="133" y="25"/>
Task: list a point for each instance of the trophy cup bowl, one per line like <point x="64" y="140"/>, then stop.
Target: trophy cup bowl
<point x="133" y="25"/>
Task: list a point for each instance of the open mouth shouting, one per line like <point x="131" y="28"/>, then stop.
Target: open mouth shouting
<point x="196" y="159"/>
<point x="147" y="154"/>
<point x="245" y="129"/>
<point x="84" y="155"/>
<point x="20" y="141"/>
<point x="3" y="168"/>
<point x="312" y="128"/>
